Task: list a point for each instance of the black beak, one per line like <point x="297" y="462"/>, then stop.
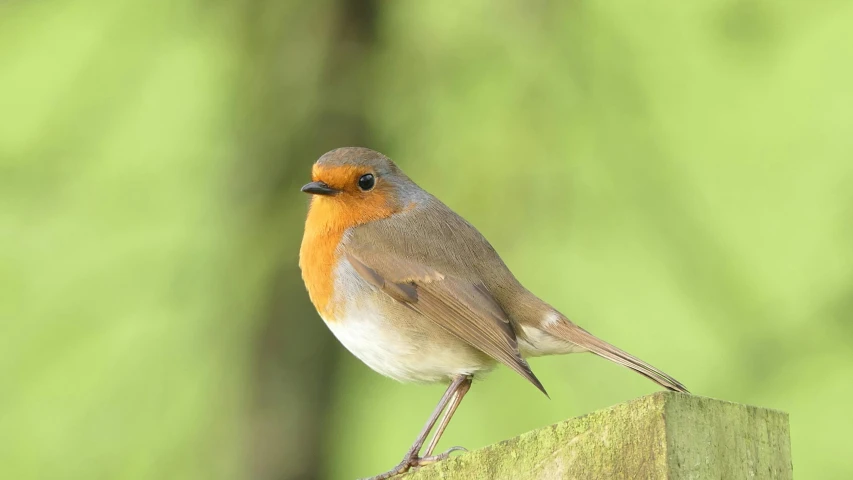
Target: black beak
<point x="319" y="188"/>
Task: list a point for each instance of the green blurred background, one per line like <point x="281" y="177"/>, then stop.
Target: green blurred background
<point x="675" y="176"/>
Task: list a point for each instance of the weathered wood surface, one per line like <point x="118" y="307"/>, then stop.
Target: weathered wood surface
<point x="666" y="435"/>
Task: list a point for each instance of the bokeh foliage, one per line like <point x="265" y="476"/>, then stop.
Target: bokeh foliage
<point x="677" y="177"/>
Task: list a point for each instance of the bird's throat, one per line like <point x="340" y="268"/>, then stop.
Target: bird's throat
<point x="328" y="220"/>
<point x="319" y="254"/>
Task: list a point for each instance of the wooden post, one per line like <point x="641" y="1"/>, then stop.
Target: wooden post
<point x="666" y="435"/>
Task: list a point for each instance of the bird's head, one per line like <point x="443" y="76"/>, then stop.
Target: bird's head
<point x="352" y="186"/>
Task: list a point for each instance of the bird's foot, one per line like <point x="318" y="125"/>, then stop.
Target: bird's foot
<point x="413" y="460"/>
<point x="441" y="456"/>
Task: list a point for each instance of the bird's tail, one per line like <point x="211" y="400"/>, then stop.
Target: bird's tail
<point x="577" y="335"/>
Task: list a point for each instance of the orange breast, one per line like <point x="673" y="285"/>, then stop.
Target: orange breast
<point x="318" y="257"/>
<point x="328" y="219"/>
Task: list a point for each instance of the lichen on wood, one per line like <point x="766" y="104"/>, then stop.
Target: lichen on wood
<point x="666" y="435"/>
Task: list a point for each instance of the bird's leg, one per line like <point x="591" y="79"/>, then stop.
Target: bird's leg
<point x="411" y="459"/>
<point x="445" y="420"/>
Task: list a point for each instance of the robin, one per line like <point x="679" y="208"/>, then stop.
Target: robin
<point x="419" y="295"/>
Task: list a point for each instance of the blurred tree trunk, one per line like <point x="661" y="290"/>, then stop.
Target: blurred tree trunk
<point x="301" y="93"/>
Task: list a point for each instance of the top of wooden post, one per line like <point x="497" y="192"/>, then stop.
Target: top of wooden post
<point x="666" y="435"/>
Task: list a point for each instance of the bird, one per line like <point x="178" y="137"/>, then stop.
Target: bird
<point x="418" y="294"/>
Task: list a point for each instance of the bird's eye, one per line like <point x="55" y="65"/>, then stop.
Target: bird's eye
<point x="366" y="182"/>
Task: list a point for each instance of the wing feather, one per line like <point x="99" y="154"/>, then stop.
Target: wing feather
<point x="463" y="308"/>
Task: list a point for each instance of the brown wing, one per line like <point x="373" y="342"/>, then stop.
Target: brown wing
<point x="465" y="309"/>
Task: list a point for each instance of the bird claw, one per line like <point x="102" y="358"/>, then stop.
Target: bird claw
<point x="415" y="461"/>
<point x="441" y="456"/>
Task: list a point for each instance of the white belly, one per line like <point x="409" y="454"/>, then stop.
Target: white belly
<point x="406" y="347"/>
<point x="398" y="354"/>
